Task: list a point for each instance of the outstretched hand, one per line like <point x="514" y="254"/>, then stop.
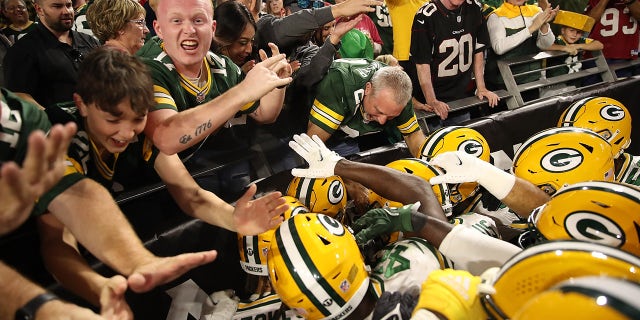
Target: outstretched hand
<point x="159" y="270"/>
<point x="383" y="221"/>
<point x="322" y="161"/>
<point x="352" y="7"/>
<point x="282" y="68"/>
<point x="265" y="76"/>
<point x="42" y="168"/>
<point x="252" y="217"/>
<point x="460" y="167"/>
<point x="342" y="27"/>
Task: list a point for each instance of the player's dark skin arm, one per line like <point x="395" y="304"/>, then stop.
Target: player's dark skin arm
<point x="393" y="184"/>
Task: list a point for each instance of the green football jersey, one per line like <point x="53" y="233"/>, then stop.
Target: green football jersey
<point x="122" y="171"/>
<point x="337" y="106"/>
<point x="18" y="120"/>
<point x="174" y="91"/>
<point x="629" y="171"/>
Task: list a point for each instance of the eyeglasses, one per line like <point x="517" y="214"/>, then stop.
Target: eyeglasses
<point x="140" y="22"/>
<point x="17" y="8"/>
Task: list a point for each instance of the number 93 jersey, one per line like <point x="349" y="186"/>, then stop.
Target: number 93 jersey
<point x="447" y="40"/>
<point x="406" y="263"/>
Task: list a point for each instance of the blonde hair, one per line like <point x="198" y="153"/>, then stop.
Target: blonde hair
<point x="107" y="17"/>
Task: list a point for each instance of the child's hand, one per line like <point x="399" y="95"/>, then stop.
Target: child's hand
<point x="571" y="49"/>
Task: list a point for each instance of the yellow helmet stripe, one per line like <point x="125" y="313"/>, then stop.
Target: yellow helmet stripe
<point x="288" y="236"/>
<point x="304" y="190"/>
<point x="570" y="114"/>
<point x="433" y="139"/>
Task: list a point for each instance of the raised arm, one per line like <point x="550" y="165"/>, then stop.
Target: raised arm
<point x="392" y="184"/>
<point x="42" y="167"/>
<point x="387" y="182"/>
<point x="271" y="103"/>
<point x="174" y="131"/>
<point x="248" y="217"/>
<point x="520" y="195"/>
<point x="596" y="11"/>
<point x="93" y="217"/>
<point x="71" y="270"/>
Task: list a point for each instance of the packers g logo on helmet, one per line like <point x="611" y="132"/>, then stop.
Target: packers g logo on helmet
<point x="585" y="298"/>
<point x="316" y="268"/>
<point x="556" y="157"/>
<point x="253" y="249"/>
<point x="457" y="138"/>
<point x="422" y="169"/>
<point x="561" y="160"/>
<point x="542" y="266"/>
<point x="605" y="116"/>
<point x="320" y="195"/>
<point x="596" y="211"/>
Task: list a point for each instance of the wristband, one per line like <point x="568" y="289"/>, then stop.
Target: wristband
<point x="28" y="311"/>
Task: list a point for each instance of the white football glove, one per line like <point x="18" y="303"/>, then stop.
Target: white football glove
<point x="462" y="167"/>
<point x="322" y="161"/>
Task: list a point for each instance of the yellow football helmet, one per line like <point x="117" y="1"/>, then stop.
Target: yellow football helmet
<point x="595" y="211"/>
<point x="542" y="266"/>
<point x="320" y="195"/>
<point x="585" y="298"/>
<point x="605" y="116"/>
<point x="316" y="268"/>
<point x="423" y="170"/>
<point x="456" y="138"/>
<point x="253" y="249"/>
<point x="556" y="157"/>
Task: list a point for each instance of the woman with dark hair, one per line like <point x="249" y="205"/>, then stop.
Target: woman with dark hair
<point x="235" y="31"/>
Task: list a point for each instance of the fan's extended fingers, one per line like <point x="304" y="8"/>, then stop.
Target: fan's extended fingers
<point x="274" y="49"/>
<point x="280" y="66"/>
<point x="273" y="60"/>
<point x="36" y="163"/>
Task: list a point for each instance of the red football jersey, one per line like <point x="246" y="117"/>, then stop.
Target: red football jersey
<point x="617" y="30"/>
